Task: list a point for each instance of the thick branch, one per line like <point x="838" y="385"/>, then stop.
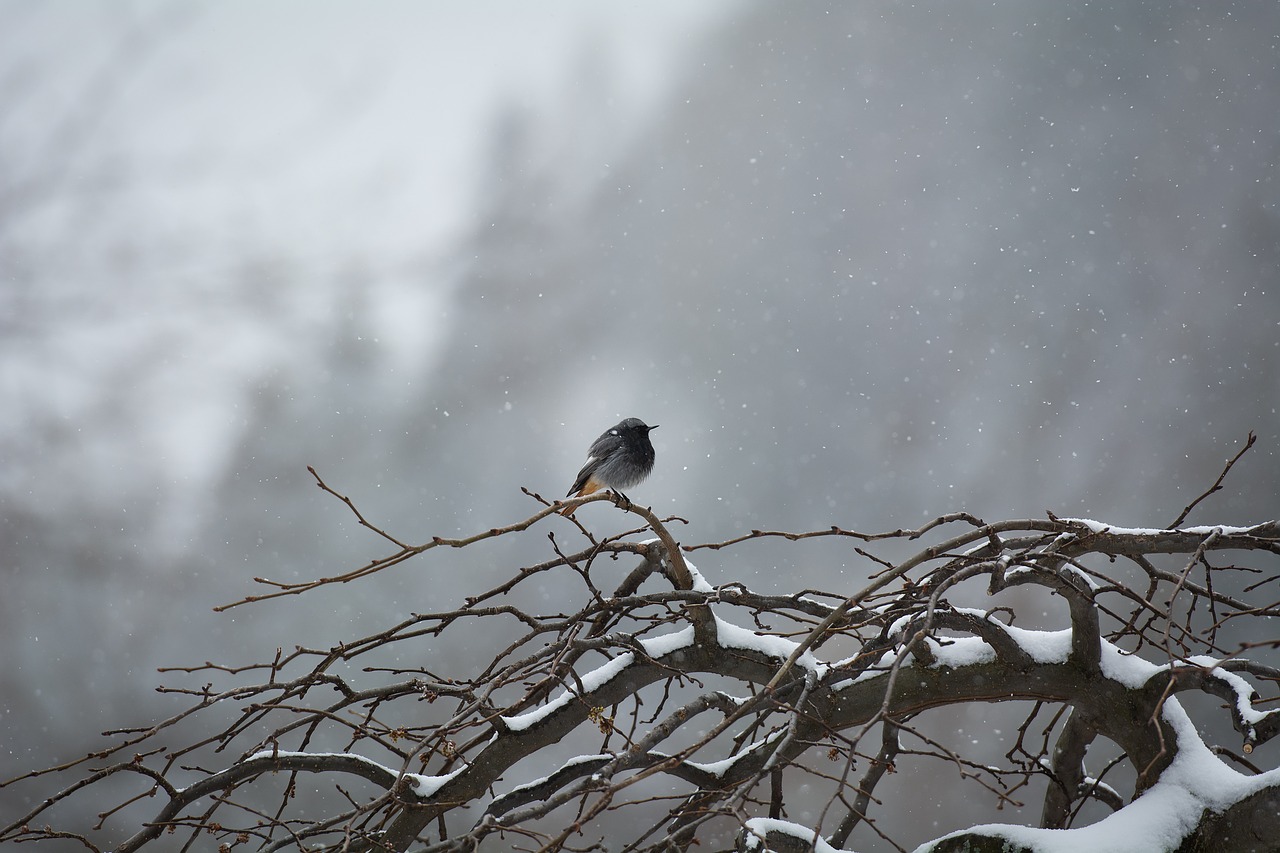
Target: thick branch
<point x="255" y="766"/>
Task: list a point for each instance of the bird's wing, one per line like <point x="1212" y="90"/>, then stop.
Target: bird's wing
<point x="601" y="449"/>
<point x="604" y="445"/>
<point x="593" y="462"/>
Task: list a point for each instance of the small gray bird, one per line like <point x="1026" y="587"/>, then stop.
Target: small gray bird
<point x="619" y="459"/>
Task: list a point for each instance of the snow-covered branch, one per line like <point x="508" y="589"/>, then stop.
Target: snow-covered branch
<point x="683" y="705"/>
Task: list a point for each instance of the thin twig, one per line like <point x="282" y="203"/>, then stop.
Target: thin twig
<point x="1217" y="484"/>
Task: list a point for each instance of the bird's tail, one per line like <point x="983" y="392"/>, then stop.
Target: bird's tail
<point x="588" y="488"/>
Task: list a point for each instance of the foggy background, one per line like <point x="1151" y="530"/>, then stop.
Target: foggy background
<point x="866" y="264"/>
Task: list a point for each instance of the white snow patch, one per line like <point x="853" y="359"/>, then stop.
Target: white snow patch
<point x="655" y="647"/>
<point x="699" y="582"/>
<point x="1042" y="646"/>
<point x="956" y="652"/>
<point x="285" y="753"/>
<point x="423" y="786"/>
<point x="1243" y="689"/>
<point x="876" y="670"/>
<point x="757" y="827"/>
<point x="665" y="644"/>
<point x="590" y="681"/>
<point x="900" y="624"/>
<point x="1090" y="582"/>
<point x="734" y="637"/>
<point x="1130" y="670"/>
<point x="426" y="786"/>
<point x="572" y="762"/>
<point x="1162" y="817"/>
<point x="1199" y="530"/>
<point x="718" y="768"/>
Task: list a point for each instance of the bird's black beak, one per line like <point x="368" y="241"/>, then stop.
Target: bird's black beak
<point x="655" y="426"/>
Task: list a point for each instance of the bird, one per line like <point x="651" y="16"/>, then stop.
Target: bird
<point x="619" y="459"/>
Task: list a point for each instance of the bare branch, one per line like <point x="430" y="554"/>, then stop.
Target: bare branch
<point x="1217" y="484"/>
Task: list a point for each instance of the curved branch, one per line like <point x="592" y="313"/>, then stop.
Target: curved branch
<point x="253" y="766"/>
<point x="1256" y="727"/>
<point x="1068" y="772"/>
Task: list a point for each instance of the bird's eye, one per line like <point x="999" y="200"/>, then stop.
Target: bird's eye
<point x="613" y="432"/>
